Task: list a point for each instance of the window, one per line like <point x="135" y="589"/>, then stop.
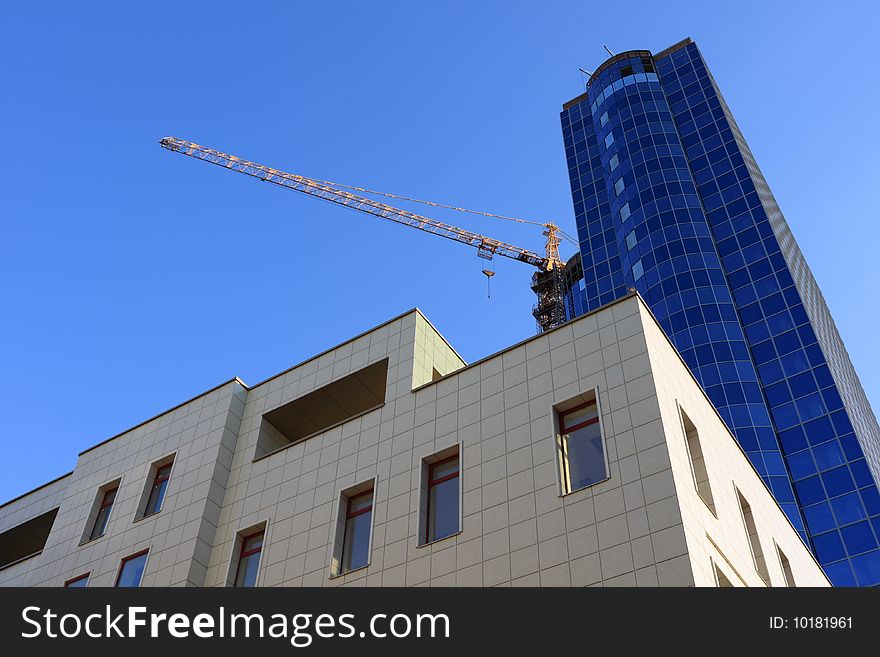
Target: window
<point x="638" y="269"/>
<point x="358" y="523"/>
<point x="131" y="570"/>
<point x="786" y="568"/>
<point x="603" y="119"/>
<point x="698" y="464"/>
<point x="103" y="516"/>
<point x="647" y="65"/>
<point x="754" y="541"/>
<point x="720" y="578"/>
<point x="77" y="582"/>
<point x="614" y="162"/>
<point x="618" y="186"/>
<point x="624" y="212"/>
<point x="609" y="139"/>
<point x="626" y="70"/>
<point x="249" y="560"/>
<point x="581" y="449"/>
<point x="155" y="494"/>
<point x="442" y="508"/>
<point x="631" y="240"/>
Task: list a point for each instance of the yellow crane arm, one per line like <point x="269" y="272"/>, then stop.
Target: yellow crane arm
<point x="486" y="246"/>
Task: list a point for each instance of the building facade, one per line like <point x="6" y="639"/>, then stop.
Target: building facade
<point x="669" y="201"/>
<point x="584" y="456"/>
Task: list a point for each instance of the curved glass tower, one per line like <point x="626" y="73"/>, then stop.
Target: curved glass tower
<point x="669" y="201"/>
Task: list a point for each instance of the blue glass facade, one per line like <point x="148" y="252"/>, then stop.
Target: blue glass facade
<point x="668" y="200"/>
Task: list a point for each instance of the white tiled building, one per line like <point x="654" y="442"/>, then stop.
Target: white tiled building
<point x="586" y="455"/>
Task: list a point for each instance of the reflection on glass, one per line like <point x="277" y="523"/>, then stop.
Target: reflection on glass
<point x="132" y="570"/>
<point x="443" y="506"/>
<point x="581" y="446"/>
<point x="249" y="560"/>
<point x="356" y="544"/>
<point x="100" y="525"/>
<point x="78" y="583"/>
<point x="157" y="492"/>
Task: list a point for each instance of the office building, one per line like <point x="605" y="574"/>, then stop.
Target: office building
<point x="670" y="202"/>
<point x="584" y="456"/>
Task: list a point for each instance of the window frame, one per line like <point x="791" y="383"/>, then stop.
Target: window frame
<point x="759" y="561"/>
<point x="430" y="483"/>
<point x="559" y="427"/>
<point x="157" y="479"/>
<point x="125" y="560"/>
<point x="787" y="572"/>
<point x="349" y="514"/>
<point x="684" y="419"/>
<point x="244" y="538"/>
<point x="718" y="573"/>
<point x="86" y="576"/>
<point x="103" y="505"/>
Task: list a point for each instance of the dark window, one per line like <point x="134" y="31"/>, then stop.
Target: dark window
<point x="157" y="492"/>
<point x="77" y="582"/>
<point x="442" y="505"/>
<point x="582" y="451"/>
<point x="647" y="65"/>
<point x="626" y="70"/>
<point x="754" y="542"/>
<point x="786" y="568"/>
<point x="103" y="516"/>
<point x="249" y="560"/>
<point x="358" y="520"/>
<point x="131" y="570"/>
<point x="699" y="471"/>
<point x="721" y="578"/>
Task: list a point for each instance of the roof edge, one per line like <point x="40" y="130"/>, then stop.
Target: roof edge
<point x="34" y="490"/>
<point x="234" y="379"/>
<point x="675" y="46"/>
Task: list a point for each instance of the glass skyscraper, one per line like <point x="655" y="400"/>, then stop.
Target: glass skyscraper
<point x="669" y="200"/>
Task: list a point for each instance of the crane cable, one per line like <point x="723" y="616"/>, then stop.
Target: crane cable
<point x="443" y="205"/>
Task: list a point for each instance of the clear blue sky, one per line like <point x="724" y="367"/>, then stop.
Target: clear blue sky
<point x="134" y="278"/>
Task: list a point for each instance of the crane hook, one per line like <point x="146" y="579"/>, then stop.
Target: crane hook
<point x="489" y="274"/>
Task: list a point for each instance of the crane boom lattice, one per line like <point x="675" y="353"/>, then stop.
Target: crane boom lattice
<point x="546" y="282"/>
<point x="326" y="192"/>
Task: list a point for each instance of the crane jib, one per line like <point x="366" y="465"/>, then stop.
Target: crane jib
<point x="547" y="282"/>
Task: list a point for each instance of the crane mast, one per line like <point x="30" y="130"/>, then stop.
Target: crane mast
<point x="546" y="282"/>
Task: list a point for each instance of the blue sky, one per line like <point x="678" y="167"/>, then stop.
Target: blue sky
<point x="133" y="278"/>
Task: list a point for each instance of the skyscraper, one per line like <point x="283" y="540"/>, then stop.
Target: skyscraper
<point x="669" y="200"/>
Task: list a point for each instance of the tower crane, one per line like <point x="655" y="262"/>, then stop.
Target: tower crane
<point x="547" y="281"/>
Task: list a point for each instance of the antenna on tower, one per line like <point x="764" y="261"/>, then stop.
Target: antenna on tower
<point x="608" y="50"/>
<point x="586" y="79"/>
